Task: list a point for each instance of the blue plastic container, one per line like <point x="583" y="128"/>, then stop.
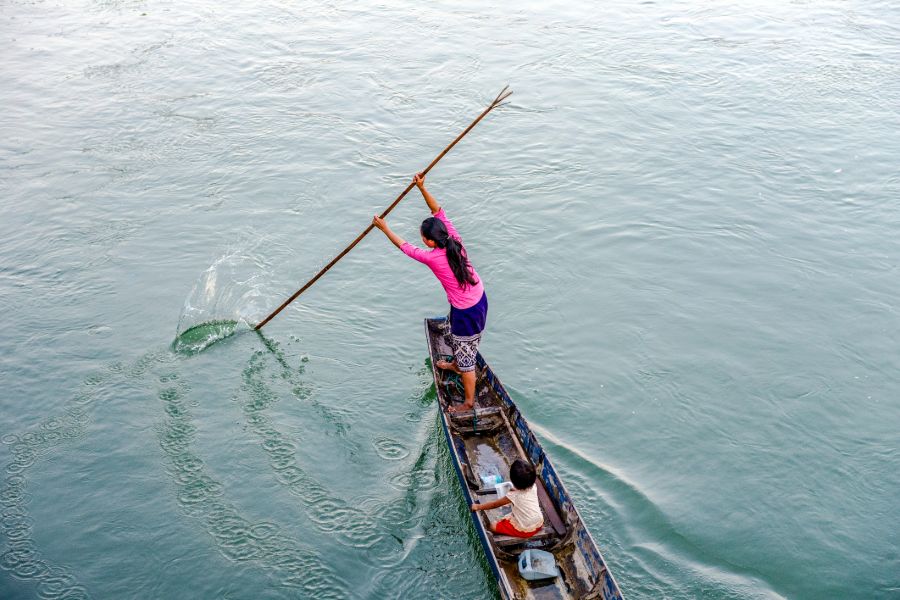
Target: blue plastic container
<point x="537" y="564"/>
<point x="491" y="480"/>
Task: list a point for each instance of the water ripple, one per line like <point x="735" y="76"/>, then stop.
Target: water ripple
<point x="237" y="538"/>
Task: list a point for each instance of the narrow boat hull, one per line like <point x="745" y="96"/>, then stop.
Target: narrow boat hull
<point x="485" y="442"/>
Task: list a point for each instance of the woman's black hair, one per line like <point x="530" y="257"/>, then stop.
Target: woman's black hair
<point x="434" y="229"/>
<point x="522" y="474"/>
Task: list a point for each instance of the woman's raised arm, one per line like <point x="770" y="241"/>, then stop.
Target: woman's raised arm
<point x="383" y="226"/>
<point x="433" y="205"/>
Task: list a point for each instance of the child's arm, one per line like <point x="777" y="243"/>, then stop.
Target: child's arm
<point x="433" y="205"/>
<point x="383" y="226"/>
<point x="492" y="504"/>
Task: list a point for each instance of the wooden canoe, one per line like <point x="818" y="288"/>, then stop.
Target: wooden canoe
<point x="487" y="441"/>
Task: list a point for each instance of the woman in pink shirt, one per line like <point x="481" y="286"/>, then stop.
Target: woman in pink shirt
<point x="448" y="261"/>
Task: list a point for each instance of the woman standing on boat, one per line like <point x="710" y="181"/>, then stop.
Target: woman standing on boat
<point x="448" y="261"/>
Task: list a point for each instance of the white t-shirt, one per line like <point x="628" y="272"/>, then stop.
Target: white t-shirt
<point x="526" y="510"/>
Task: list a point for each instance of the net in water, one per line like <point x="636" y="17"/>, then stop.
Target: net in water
<point x="225" y="300"/>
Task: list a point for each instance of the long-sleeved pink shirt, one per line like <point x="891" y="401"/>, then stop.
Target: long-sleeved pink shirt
<point x="436" y="260"/>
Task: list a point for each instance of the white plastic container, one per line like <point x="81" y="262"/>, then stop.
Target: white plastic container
<point x="537" y="564"/>
<point x="503" y="488"/>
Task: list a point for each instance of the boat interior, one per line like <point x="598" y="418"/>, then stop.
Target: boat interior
<point x="486" y="442"/>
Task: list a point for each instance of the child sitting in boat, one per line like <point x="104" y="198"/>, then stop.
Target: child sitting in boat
<point x="465" y="292"/>
<point x="526" y="518"/>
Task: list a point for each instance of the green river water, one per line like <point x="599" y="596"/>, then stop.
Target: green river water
<point x="686" y="220"/>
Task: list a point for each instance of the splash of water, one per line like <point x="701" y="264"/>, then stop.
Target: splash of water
<point x="225" y="300"/>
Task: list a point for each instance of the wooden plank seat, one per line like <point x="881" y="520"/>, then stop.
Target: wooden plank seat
<point x="507" y="541"/>
<point x="487" y="422"/>
<point x="467" y="415"/>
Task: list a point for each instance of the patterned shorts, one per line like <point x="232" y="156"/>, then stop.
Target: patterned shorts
<point x="466" y="327"/>
<point x="465" y="349"/>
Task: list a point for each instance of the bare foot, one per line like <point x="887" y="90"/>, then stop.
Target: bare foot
<point x="461" y="408"/>
<point x="446" y="365"/>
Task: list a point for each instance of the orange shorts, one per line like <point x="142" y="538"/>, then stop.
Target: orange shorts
<point x="506" y="527"/>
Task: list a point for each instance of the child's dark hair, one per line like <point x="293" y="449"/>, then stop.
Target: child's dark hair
<point x="522" y="474"/>
<point x="434" y="229"/>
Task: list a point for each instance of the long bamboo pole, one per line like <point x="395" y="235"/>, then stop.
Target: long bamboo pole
<point x="503" y="95"/>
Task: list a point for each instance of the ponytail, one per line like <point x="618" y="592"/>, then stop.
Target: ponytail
<point x="434" y="229"/>
<point x="459" y="263"/>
